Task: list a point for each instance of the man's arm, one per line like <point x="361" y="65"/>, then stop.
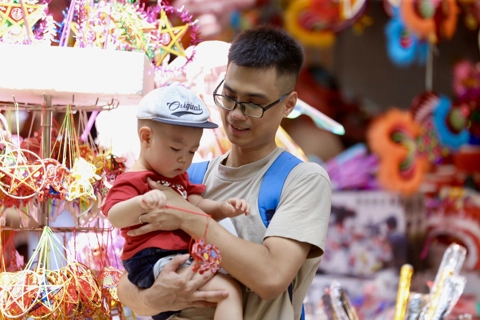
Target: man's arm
<point x="254" y="265"/>
<point x="170" y="291"/>
<point x="270" y="267"/>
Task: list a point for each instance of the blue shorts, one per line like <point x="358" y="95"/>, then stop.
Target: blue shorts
<point x="144" y="267"/>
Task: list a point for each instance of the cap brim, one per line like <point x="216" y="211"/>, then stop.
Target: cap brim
<point x="204" y="125"/>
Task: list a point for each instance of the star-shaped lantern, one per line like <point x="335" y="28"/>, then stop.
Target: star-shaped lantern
<point x="169" y="38"/>
<point x="17" y="18"/>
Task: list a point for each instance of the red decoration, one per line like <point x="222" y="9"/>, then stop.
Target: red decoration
<point x="207" y="254"/>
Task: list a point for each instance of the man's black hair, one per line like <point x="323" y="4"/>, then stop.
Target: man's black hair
<point x="265" y="47"/>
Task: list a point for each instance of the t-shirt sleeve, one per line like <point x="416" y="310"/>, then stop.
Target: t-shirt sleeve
<point x="192" y="188"/>
<point x="303" y="212"/>
<point x="122" y="190"/>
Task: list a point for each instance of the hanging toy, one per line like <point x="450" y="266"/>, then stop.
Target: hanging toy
<point x="471" y="12"/>
<point x="393" y="138"/>
<point x="207" y="255"/>
<point x="466" y="85"/>
<point x="430" y="19"/>
<point x="450" y="123"/>
<point x="428" y="141"/>
<point x="26" y="22"/>
<point x="403" y="46"/>
<point x="315" y="22"/>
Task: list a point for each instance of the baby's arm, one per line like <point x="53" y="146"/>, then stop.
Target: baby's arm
<point x="220" y="210"/>
<point x="126" y="213"/>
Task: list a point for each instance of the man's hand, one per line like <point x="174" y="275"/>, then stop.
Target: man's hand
<point x="167" y="219"/>
<point x="171" y="291"/>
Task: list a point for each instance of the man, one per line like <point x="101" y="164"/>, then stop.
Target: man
<point x="256" y="94"/>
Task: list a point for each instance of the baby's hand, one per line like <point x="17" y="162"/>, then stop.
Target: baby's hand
<point x="153" y="199"/>
<point x="234" y="207"/>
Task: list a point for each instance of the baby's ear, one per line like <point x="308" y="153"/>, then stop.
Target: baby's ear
<point x="145" y="135"/>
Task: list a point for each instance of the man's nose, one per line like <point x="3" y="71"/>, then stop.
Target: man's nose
<point x="237" y="112"/>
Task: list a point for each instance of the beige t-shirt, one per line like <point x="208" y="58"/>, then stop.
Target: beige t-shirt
<point x="302" y="215"/>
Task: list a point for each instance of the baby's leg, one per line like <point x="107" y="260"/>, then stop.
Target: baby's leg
<point x="231" y="307"/>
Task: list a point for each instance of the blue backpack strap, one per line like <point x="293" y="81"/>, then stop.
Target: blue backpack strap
<point x="271" y="190"/>
<point x="272" y="185"/>
<point x="197" y="171"/>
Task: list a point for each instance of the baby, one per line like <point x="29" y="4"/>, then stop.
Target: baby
<point x="170" y="125"/>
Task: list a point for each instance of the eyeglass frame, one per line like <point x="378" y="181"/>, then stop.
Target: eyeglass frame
<point x="241" y="103"/>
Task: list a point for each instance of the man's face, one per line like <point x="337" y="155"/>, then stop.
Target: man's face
<point x="258" y="87"/>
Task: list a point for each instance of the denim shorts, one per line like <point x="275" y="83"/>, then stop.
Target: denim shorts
<point x="145" y="266"/>
<point x="140" y="267"/>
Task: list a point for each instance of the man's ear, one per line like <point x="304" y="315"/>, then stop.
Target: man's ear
<point x="145" y="135"/>
<point x="290" y="103"/>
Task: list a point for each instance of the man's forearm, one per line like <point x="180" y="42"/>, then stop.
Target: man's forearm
<point x="255" y="265"/>
<point x="171" y="291"/>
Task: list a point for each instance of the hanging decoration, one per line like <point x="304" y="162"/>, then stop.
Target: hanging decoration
<point x="315" y="22"/>
<point x="73" y="177"/>
<point x="52" y="287"/>
<point x="26" y="22"/>
<point x="390" y="5"/>
<point x="20" y="179"/>
<point x="466" y="85"/>
<point x="471" y="13"/>
<point x="403" y="46"/>
<point x="393" y="138"/>
<point x="430" y="20"/>
<point x="450" y="123"/>
<point x="126" y="26"/>
<point x="428" y="141"/>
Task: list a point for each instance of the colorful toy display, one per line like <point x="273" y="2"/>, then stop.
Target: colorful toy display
<point x="26" y="22"/>
<point x="430" y="20"/>
<point x="315" y="22"/>
<point x="403" y="47"/>
<point x="393" y="138"/>
<point x="73" y="272"/>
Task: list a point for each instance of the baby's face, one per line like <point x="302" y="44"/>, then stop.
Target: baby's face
<point x="172" y="149"/>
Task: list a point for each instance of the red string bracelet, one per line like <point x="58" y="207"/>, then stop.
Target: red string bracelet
<point x="207" y="256"/>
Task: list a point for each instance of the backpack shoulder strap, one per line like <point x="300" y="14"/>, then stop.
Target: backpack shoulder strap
<point x="272" y="185"/>
<point x="196" y="171"/>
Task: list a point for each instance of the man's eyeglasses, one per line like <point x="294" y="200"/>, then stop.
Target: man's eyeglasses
<point x="250" y="109"/>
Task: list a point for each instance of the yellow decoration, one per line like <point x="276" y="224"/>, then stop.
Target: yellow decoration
<point x="324" y="38"/>
<point x="22" y="173"/>
<point x="83" y="174"/>
<point x="360" y="25"/>
<point x="12" y="24"/>
<point x="170" y="37"/>
<point x="114" y="25"/>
